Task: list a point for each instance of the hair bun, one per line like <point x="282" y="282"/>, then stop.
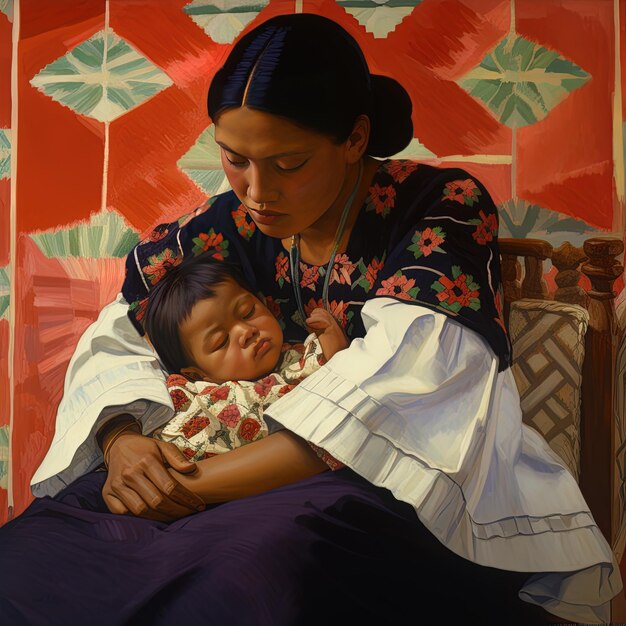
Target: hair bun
<point x="392" y="126"/>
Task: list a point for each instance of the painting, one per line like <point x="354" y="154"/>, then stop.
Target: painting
<point x="104" y="134"/>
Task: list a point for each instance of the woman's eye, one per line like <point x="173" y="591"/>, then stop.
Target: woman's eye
<point x="290" y="168"/>
<point x="250" y="313"/>
<point x="236" y="163"/>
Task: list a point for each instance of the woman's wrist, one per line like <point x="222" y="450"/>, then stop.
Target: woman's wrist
<point x="113" y="429"/>
<point x="110" y="426"/>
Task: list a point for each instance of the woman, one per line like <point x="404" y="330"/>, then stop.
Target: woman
<point x="422" y="405"/>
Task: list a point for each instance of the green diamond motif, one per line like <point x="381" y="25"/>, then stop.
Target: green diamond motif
<point x="6" y="7"/>
<point x="99" y="81"/>
<point x="203" y="165"/>
<point x="5" y="153"/>
<point x="521" y="81"/>
<point x="223" y="20"/>
<point x="521" y="219"/>
<point x="4" y="456"/>
<point x="379" y="17"/>
<point x="4" y="293"/>
<point x="415" y="150"/>
<point x="104" y="235"/>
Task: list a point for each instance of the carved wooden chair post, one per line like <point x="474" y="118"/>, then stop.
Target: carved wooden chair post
<point x="599" y="480"/>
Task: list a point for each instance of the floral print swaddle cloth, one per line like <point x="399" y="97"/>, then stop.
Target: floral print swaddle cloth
<point x="212" y="419"/>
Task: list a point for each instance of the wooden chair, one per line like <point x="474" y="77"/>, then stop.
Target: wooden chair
<point x="602" y="421"/>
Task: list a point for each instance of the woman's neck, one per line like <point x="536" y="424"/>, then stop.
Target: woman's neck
<point x="316" y="242"/>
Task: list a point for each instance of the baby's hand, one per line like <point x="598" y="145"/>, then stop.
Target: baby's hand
<point x="325" y="326"/>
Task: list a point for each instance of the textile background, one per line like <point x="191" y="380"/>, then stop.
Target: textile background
<point x="104" y="133"/>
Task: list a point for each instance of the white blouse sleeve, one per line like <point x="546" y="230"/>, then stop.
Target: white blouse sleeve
<point x="418" y="406"/>
<point x="113" y="371"/>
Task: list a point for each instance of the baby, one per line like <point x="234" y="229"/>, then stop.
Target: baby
<point x="206" y="324"/>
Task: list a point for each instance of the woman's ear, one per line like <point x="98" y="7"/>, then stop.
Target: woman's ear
<point x="358" y="139"/>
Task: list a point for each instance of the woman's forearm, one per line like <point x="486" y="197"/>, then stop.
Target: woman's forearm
<point x="280" y="459"/>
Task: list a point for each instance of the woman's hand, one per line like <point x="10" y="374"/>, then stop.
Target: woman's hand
<point x="139" y="483"/>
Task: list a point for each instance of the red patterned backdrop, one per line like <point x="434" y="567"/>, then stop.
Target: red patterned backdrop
<point x="104" y="133"/>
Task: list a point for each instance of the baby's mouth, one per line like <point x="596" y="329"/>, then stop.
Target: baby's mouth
<point x="261" y="347"/>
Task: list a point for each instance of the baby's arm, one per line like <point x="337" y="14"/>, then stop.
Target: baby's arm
<point x="331" y="336"/>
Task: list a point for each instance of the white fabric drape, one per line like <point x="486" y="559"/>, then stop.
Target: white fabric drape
<point x="418" y="407"/>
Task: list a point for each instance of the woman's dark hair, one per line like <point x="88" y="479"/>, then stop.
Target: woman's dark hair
<point x="173" y="297"/>
<point x="309" y="70"/>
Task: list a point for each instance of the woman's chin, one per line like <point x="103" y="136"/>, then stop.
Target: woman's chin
<point x="276" y="231"/>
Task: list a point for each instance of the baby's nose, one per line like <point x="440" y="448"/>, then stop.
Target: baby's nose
<point x="248" y="335"/>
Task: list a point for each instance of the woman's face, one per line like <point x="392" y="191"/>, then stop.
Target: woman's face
<point x="288" y="177"/>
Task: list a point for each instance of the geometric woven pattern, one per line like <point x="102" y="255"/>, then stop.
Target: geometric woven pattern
<point x="6" y="7"/>
<point x="520" y="219"/>
<point x="223" y="20"/>
<point x="379" y="17"/>
<point x="4" y="292"/>
<point x="5" y="153"/>
<point x="203" y="164"/>
<point x="521" y="81"/>
<point x="548" y="352"/>
<point x="105" y="234"/>
<point x="101" y="80"/>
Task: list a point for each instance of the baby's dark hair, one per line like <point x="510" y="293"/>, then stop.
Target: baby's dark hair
<point x="174" y="296"/>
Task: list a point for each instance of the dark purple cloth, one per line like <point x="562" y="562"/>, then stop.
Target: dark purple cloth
<point x="331" y="549"/>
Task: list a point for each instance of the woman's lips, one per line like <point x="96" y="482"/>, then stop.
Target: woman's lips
<point x="264" y="217"/>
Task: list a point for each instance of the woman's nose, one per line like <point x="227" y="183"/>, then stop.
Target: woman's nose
<point x="260" y="186"/>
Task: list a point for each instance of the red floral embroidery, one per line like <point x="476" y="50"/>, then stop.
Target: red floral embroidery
<point x="189" y="452"/>
<point x="244" y="227"/>
<point x="194" y="425"/>
<point x="342" y="269"/>
<point x="369" y="273"/>
<point x="229" y="416"/>
<point x="282" y="269"/>
<point x="331" y="461"/>
<point x="211" y="241"/>
<point x="310" y="276"/>
<point x="339" y="310"/>
<point x="185" y="219"/>
<point x="381" y="199"/>
<point x="158" y="233"/>
<point x="463" y="191"/>
<point x="179" y="398"/>
<point x="249" y="429"/>
<point x="176" y="380"/>
<point x="220" y="393"/>
<point x="264" y="386"/>
<point x="457" y="293"/>
<point x="427" y="241"/>
<point x="139" y="307"/>
<point x="158" y="265"/>
<point x="285" y="389"/>
<point x="273" y="307"/>
<point x="401" y="170"/>
<point x="485" y="229"/>
<point x="500" y="318"/>
<point x="398" y="286"/>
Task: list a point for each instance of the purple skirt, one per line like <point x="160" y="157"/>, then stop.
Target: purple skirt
<point x="331" y="549"/>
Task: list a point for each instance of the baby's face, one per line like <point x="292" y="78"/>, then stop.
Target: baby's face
<point x="231" y="336"/>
